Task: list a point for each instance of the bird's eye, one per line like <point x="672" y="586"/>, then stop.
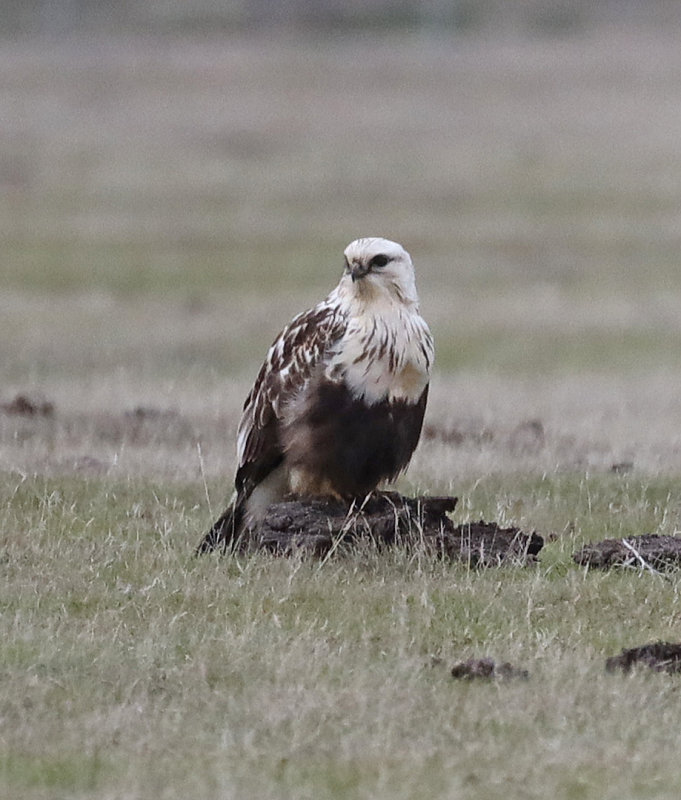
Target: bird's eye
<point x="379" y="261"/>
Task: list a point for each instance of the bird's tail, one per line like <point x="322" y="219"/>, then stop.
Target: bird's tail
<point x="226" y="530"/>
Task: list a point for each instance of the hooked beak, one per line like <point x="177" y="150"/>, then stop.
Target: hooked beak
<point x="357" y="270"/>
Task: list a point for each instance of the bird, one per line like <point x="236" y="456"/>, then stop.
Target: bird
<point x="337" y="407"/>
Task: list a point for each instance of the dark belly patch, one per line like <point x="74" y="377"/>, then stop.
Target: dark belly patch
<point x="349" y="444"/>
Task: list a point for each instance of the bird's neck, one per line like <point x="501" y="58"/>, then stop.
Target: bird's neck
<point x="368" y="298"/>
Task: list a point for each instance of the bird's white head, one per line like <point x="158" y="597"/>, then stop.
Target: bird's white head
<point x="376" y="267"/>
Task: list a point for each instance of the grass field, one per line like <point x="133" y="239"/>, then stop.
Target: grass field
<point x="167" y="204"/>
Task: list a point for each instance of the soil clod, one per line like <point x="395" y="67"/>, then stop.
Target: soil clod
<point x="488" y="669"/>
<point x="25" y="406"/>
<point x="658" y="656"/>
<point x="648" y="551"/>
<point x="319" y="526"/>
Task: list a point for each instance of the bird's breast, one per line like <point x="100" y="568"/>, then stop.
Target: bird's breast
<point x="381" y="359"/>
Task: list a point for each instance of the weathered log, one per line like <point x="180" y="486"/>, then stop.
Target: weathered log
<point x="384" y="519"/>
<point x="648" y="551"/>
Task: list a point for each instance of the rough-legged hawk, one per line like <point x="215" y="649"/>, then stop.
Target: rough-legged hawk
<point x="338" y="405"/>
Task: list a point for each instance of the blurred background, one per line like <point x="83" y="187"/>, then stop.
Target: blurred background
<point x="178" y="177"/>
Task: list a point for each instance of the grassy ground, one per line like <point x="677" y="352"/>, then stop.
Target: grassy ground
<point x="131" y="669"/>
<point x="167" y="205"/>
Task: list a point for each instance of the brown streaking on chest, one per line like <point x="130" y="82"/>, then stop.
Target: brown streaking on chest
<point x="347" y="446"/>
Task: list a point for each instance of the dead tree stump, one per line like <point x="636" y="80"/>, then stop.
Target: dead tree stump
<point x="321" y="526"/>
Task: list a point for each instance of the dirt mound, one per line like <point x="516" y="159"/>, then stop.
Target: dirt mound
<point x="385" y="518"/>
<point x="659" y="656"/>
<point x="528" y="436"/>
<point x="25" y="406"/>
<point x="649" y="551"/>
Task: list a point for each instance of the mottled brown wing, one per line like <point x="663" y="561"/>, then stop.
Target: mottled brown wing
<point x="295" y="353"/>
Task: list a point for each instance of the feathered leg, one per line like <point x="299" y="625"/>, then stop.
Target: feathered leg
<point x="225" y="529"/>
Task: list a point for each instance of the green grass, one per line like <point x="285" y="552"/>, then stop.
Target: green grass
<point x="193" y="268"/>
<point x="132" y="669"/>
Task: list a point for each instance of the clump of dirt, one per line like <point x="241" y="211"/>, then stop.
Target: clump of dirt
<point x="144" y="425"/>
<point x="658" y="656"/>
<point x="485" y="544"/>
<point x="457" y="435"/>
<point x="622" y="467"/>
<point x="648" y="551"/>
<point x="385" y="518"/>
<point x="149" y="413"/>
<point x="26" y="406"/>
<point x="89" y="464"/>
<point x="488" y="669"/>
<point x="528" y="436"/>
